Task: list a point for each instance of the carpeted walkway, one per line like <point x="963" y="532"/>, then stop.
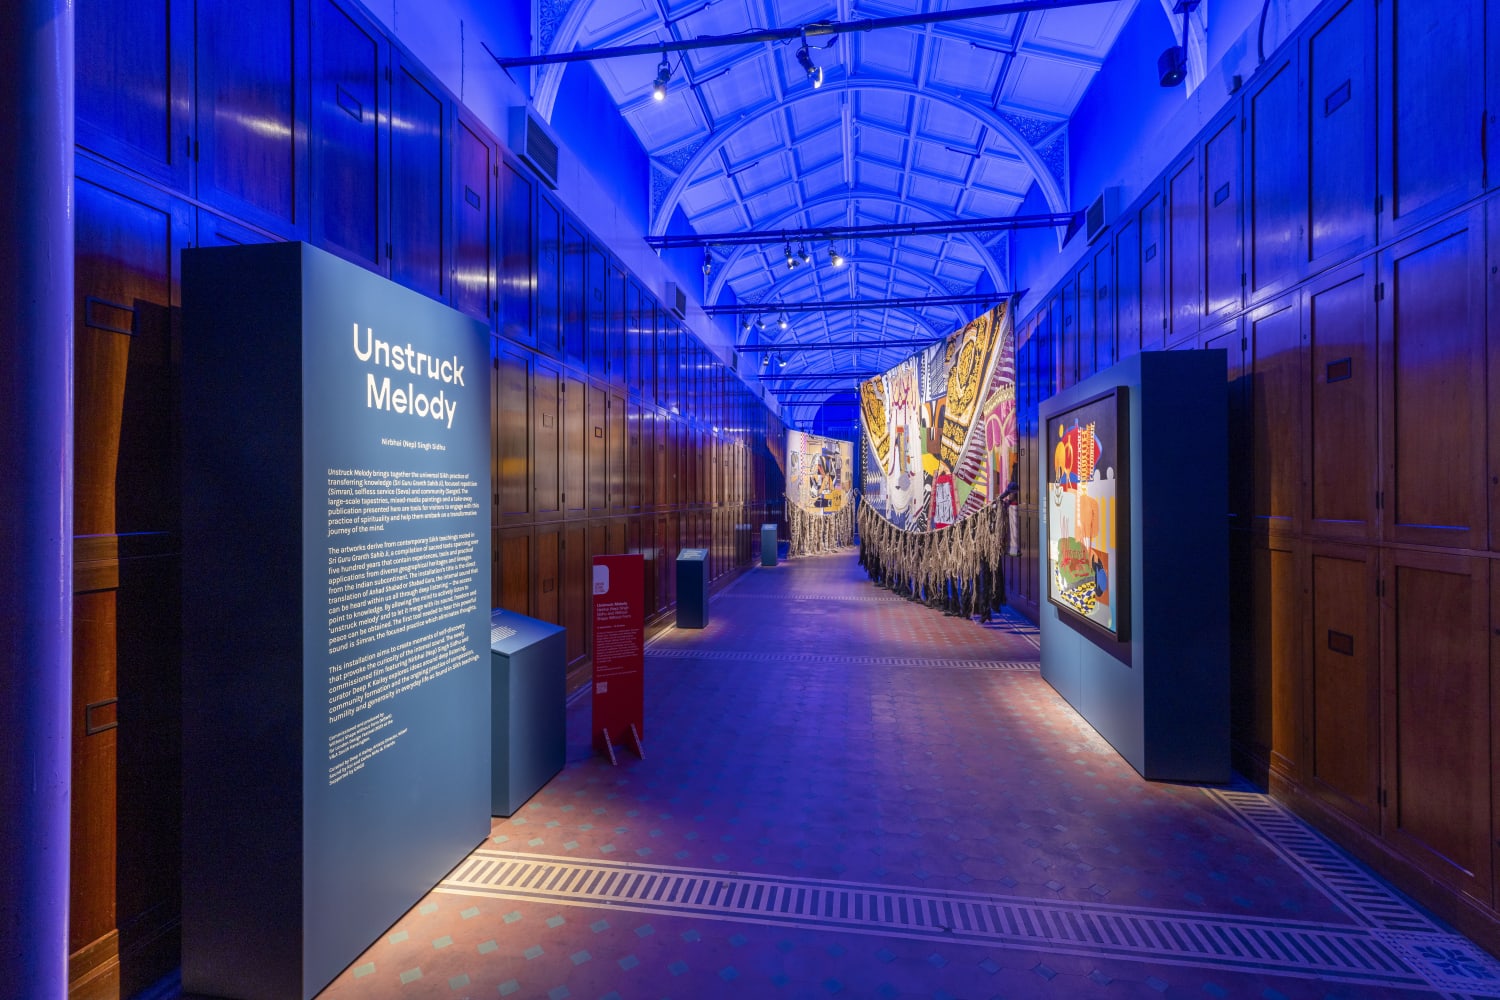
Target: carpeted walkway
<point x="847" y="794"/>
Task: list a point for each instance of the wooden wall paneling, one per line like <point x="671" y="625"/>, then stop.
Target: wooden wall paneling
<point x="251" y="142"/>
<point x="1232" y="341"/>
<point x="1184" y="231"/>
<point x="1339" y="67"/>
<point x="134" y="85"/>
<point x="650" y="325"/>
<point x="632" y="375"/>
<point x="574" y="293"/>
<point x="125" y="651"/>
<point x="1066" y="320"/>
<point x="547" y="438"/>
<point x="1432" y="121"/>
<point x="1106" y="349"/>
<point x="664" y="568"/>
<point x="1276" y="188"/>
<point x="1344" y="686"/>
<point x="549" y="278"/>
<point x="473" y="219"/>
<point x="1433" y="405"/>
<point x="217" y="231"/>
<point x="1343" y="470"/>
<point x="1127" y="288"/>
<point x="513" y="434"/>
<point x="597" y="442"/>
<point x="517" y="261"/>
<point x="616" y="328"/>
<point x="666" y="363"/>
<point x="575" y="445"/>
<point x="618" y="535"/>
<point x="1088" y="360"/>
<point x="596" y="303"/>
<point x="617" y="416"/>
<point x="1153" y="273"/>
<point x="633" y="457"/>
<point x="1274" y="352"/>
<point x="1268" y="710"/>
<point x="650" y="477"/>
<point x="1436" y="682"/>
<point x="420" y="172"/>
<point x="671" y="545"/>
<point x="547" y="597"/>
<point x="577" y="588"/>
<point x="1492" y="339"/>
<point x="1223" y="243"/>
<point x="348" y="152"/>
<point x="518" y="569"/>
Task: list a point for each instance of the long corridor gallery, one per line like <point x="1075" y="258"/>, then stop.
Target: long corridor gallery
<point x="750" y="498"/>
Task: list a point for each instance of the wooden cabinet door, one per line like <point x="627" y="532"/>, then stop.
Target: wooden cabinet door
<point x="1344" y="686"/>
<point x="1436" y="692"/>
<point x="597" y="471"/>
<point x="516" y="265"/>
<point x="420" y="142"/>
<point x="1153" y="274"/>
<point x="1275" y="183"/>
<point x="133" y="84"/>
<point x="1223" y="245"/>
<point x="349" y="135"/>
<point x="1339" y="67"/>
<point x="1433" y="400"/>
<point x="546" y="430"/>
<point x="1185" y="250"/>
<point x="1275" y="361"/>
<point x="1106" y="350"/>
<point x="549" y="277"/>
<point x="513" y="435"/>
<point x="1343" y="421"/>
<point x="1432" y="121"/>
<point x="575" y="445"/>
<point x="251" y="148"/>
<point x="473" y="214"/>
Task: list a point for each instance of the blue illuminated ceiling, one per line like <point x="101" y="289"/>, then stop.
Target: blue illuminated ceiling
<point x="946" y="121"/>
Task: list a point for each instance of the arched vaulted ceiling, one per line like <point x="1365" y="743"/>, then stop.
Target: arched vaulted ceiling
<point x="953" y="120"/>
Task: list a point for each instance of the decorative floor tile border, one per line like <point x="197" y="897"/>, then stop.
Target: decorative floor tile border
<point x="836" y="659"/>
<point x="1335" y="952"/>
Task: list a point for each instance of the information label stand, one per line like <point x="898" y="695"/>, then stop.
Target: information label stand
<point x="529" y="660"/>
<point x="619" y="652"/>
<point x="768" y="544"/>
<point x="692" y="588"/>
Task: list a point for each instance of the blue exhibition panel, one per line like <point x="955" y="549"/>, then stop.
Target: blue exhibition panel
<point x="336" y="541"/>
<point x="768" y="545"/>
<point x="692" y="588"/>
<point x="528" y="692"/>
<point x="1157" y="688"/>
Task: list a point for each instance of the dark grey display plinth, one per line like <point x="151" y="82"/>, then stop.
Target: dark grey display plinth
<point x="1160" y="695"/>
<point x="528" y="694"/>
<point x="768" y="545"/>
<point x="692" y="588"/>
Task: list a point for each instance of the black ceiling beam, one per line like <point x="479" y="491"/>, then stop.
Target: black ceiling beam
<point x="874" y="231"/>
<point x="818" y="377"/>
<point x="814" y="30"/>
<point x="909" y="302"/>
<point x="835" y="345"/>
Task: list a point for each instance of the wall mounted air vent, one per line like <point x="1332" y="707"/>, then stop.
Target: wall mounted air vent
<point x="1101" y="214"/>
<point x="532" y="142"/>
<point x="675" y="300"/>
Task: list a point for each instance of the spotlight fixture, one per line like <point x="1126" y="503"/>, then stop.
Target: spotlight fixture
<point x="834" y="257"/>
<point x="791" y="261"/>
<point x="1172" y="65"/>
<point x="708" y="262"/>
<point x="760" y="322"/>
<point x="747" y="324"/>
<point x="765" y="360"/>
<point x="781" y="361"/>
<point x="802" y="254"/>
<point x="813" y="70"/>
<point x="663" y="74"/>
<point x="782" y="322"/>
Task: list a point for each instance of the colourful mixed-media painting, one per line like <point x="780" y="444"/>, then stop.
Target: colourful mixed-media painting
<point x="939" y="429"/>
<point x="1088" y="574"/>
<point x="819" y="472"/>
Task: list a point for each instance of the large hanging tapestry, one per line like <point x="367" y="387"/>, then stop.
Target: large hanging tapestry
<point x="939" y="429"/>
<point x="1087" y="568"/>
<point x="819" y="492"/>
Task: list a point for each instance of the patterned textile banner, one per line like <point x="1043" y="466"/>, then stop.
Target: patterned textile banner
<point x="939" y="429"/>
<point x="819" y="473"/>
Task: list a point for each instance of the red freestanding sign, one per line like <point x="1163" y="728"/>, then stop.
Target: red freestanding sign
<point x="619" y="651"/>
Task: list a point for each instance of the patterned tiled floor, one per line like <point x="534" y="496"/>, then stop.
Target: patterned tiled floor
<point x="846" y="794"/>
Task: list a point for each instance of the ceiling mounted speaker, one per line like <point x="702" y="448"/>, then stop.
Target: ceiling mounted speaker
<point x="1171" y="66"/>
